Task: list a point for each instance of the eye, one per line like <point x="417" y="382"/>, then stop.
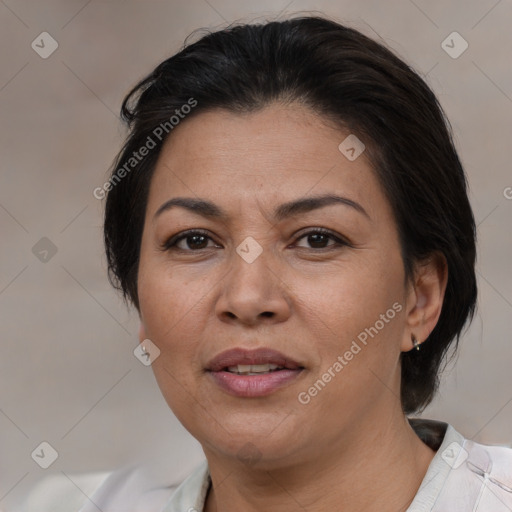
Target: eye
<point x="318" y="237"/>
<point x="195" y="240"/>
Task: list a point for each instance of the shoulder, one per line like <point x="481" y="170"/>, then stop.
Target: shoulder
<point x="122" y="489"/>
<point x="57" y="492"/>
<point x="491" y="462"/>
<point x="482" y="474"/>
<point x="466" y="475"/>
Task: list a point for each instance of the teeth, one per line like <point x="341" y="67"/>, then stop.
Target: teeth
<point x="253" y="369"/>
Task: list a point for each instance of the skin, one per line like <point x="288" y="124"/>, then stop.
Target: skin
<point x="309" y="298"/>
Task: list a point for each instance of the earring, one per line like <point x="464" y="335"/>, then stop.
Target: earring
<point x="415" y="342"/>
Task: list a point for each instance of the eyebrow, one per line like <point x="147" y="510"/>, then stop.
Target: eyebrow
<point x="211" y="210"/>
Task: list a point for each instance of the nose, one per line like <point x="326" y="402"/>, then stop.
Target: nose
<point x="253" y="292"/>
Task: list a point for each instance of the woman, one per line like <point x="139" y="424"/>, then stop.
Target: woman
<point x="289" y="217"/>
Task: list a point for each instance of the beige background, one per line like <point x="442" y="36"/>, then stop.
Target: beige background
<point x="67" y="372"/>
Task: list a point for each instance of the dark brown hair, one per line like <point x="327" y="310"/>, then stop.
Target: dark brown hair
<point x="350" y="80"/>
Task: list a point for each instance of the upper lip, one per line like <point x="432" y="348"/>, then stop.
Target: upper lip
<point x="238" y="356"/>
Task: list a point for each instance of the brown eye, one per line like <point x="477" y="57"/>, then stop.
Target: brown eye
<point x="319" y="238"/>
<point x="194" y="240"/>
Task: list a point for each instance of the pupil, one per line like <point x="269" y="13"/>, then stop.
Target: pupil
<point x="312" y="238"/>
<point x="196" y="237"/>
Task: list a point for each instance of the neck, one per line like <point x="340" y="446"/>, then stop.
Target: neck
<point x="378" y="469"/>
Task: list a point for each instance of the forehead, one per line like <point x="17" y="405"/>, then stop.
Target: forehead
<point x="274" y="154"/>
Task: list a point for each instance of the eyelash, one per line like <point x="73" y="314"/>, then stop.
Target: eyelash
<point x="173" y="241"/>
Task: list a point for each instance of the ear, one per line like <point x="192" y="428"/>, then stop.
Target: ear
<point x="425" y="299"/>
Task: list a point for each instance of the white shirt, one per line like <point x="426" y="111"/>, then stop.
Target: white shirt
<point x="463" y="476"/>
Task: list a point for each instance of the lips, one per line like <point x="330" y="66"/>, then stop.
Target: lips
<point x="253" y="373"/>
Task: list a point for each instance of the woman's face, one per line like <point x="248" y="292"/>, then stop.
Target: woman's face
<point x="333" y="304"/>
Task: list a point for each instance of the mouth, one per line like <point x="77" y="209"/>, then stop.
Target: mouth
<point x="253" y="369"/>
<point x="253" y="373"/>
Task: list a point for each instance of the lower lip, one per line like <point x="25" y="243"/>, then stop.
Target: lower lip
<point x="254" y="385"/>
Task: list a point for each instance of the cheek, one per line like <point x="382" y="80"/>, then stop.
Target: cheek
<point x="170" y="310"/>
<point x="353" y="296"/>
<point x="358" y="313"/>
<point x="167" y="294"/>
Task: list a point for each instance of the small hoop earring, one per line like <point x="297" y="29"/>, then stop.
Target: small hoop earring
<point x="415" y="342"/>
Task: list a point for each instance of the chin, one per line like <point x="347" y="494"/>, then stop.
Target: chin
<point x="259" y="449"/>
